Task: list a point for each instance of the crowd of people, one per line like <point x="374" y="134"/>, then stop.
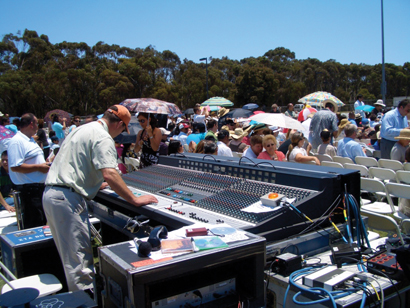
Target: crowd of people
<point x="58" y="166"/>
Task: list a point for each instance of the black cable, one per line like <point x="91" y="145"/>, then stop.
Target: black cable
<point x="291" y="245"/>
<point x="243" y="157"/>
<point x="391" y="281"/>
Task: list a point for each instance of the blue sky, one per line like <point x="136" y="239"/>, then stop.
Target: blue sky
<point x="348" y="31"/>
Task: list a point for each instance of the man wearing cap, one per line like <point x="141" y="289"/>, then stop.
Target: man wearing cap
<point x="223" y="141"/>
<point x="163" y="146"/>
<point x="28" y="171"/>
<point x="378" y="108"/>
<point x="358" y="103"/>
<point x="184" y="131"/>
<point x="393" y="122"/>
<point x="323" y="119"/>
<point x="398" y="152"/>
<point x="87" y="158"/>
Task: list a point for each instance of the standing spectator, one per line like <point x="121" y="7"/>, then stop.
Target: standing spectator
<point x="290" y="112"/>
<point x="297" y="153"/>
<point x="148" y="140"/>
<point x="348" y="147"/>
<point x="398" y="152"/>
<point x="223" y="141"/>
<point x="271" y="153"/>
<point x="358" y="103"/>
<point x="41" y="135"/>
<point x="393" y="122"/>
<point x="200" y="116"/>
<point x="28" y="171"/>
<point x="6" y="185"/>
<point x="58" y="128"/>
<point x="256" y="147"/>
<point x="323" y="119"/>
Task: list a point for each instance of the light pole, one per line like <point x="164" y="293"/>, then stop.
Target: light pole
<point x="383" y="70"/>
<point x="206" y="63"/>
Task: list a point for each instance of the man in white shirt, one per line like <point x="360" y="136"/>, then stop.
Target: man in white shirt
<point x="223" y="141"/>
<point x="359" y="103"/>
<point x="184" y="131"/>
<point x="28" y="171"/>
<point x="199" y="117"/>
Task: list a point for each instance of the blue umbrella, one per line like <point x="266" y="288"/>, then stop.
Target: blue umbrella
<point x="250" y="106"/>
<point x="365" y="108"/>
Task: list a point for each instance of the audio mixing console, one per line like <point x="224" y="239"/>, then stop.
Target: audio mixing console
<point x="188" y="196"/>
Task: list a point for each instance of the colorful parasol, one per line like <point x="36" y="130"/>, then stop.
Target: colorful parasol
<point x="303" y="114"/>
<point x="5" y="133"/>
<point x="319" y="97"/>
<point x="61" y="114"/>
<point x="217" y="101"/>
<point x="277" y="119"/>
<point x="150" y="105"/>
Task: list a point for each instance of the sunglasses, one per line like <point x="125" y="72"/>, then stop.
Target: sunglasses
<point x="270" y="145"/>
<point x="141" y="121"/>
<point x="76" y="120"/>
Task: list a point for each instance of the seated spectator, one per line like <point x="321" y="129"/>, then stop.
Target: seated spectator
<point x="210" y="147"/>
<point x="231" y="124"/>
<point x="163" y="146"/>
<point x="297" y="153"/>
<point x="326" y="147"/>
<point x="6" y="185"/>
<point x="271" y="153"/>
<point x="54" y="143"/>
<point x="174" y="147"/>
<point x="348" y="147"/>
<point x="275" y="109"/>
<point x="223" y="141"/>
<point x="352" y="118"/>
<point x="200" y="147"/>
<point x="398" y="152"/>
<point x="285" y="145"/>
<point x="236" y="144"/>
<point x="184" y="131"/>
<point x="255" y="149"/>
<point x="212" y="127"/>
<point x="198" y="134"/>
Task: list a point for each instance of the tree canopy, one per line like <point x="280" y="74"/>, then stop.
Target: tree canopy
<point x="37" y="76"/>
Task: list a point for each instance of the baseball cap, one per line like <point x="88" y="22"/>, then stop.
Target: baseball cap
<point x="123" y="114"/>
<point x="183" y="125"/>
<point x="164" y="131"/>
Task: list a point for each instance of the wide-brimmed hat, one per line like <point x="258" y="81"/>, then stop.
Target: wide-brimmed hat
<point x="330" y="101"/>
<point x="357" y="116"/>
<point x="222" y="112"/>
<point x="238" y="133"/>
<point x="164" y="131"/>
<point x="379" y="103"/>
<point x="343" y="123"/>
<point x="404" y="134"/>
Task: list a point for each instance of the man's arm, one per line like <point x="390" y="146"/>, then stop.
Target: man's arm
<point x="116" y="183"/>
<point x="27" y="168"/>
<point x="7" y="206"/>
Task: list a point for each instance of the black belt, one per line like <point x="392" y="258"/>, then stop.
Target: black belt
<point x="62" y="186"/>
<point x="22" y="186"/>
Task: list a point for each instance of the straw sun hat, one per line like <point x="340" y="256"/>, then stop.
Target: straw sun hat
<point x="404" y="134"/>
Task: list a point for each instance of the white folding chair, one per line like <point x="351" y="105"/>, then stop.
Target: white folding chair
<point x="383" y="174"/>
<point x="342" y="160"/>
<point x="403" y="176"/>
<point x="391" y="164"/>
<point x="378" y="189"/>
<point x="324" y="157"/>
<point x="363" y="170"/>
<point x="332" y="164"/>
<point x="367" y="161"/>
<point x="400" y="191"/>
<point x="406" y="166"/>
<point x="405" y="226"/>
<point x="133" y="162"/>
<point x="377" y="153"/>
<point x="382" y="222"/>
<point x="46" y="284"/>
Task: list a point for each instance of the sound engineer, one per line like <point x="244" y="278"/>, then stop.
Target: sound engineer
<point x="86" y="158"/>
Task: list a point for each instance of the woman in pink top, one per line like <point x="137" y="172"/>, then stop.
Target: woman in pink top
<point x="271" y="153"/>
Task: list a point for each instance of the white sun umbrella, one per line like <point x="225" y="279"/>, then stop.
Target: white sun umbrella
<point x="277" y="119"/>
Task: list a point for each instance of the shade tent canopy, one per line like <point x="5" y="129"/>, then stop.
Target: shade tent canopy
<point x="278" y="119"/>
<point x="217" y="101"/>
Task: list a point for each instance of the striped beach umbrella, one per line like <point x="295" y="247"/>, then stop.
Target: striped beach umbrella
<point x="217" y="101"/>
